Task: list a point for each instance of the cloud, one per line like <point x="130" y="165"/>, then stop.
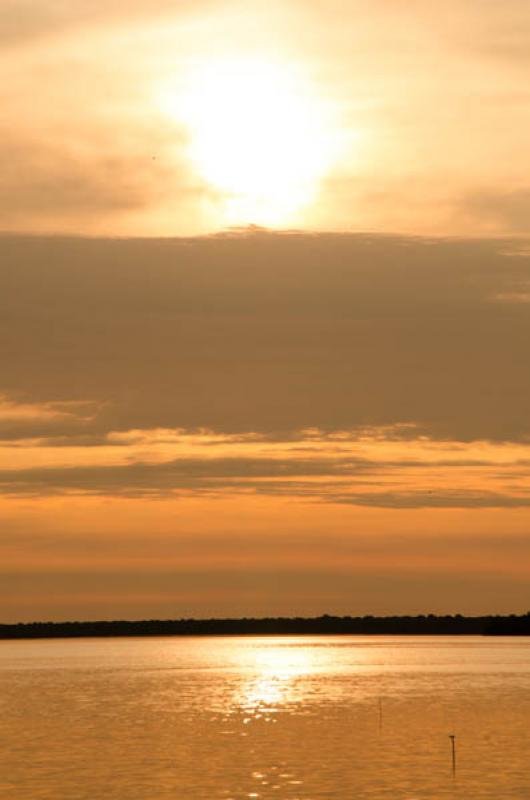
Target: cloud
<point x="12" y="411"/>
<point x="200" y="474"/>
<point x="266" y="333"/>
<point x="342" y="480"/>
<point x="40" y="180"/>
<point x="22" y="420"/>
<point x="509" y="210"/>
<point x="25" y="20"/>
<point x="433" y="499"/>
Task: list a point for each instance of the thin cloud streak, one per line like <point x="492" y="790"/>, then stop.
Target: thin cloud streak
<point x="324" y="480"/>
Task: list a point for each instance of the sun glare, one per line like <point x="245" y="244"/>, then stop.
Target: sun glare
<point x="277" y="669"/>
<point x="259" y="137"/>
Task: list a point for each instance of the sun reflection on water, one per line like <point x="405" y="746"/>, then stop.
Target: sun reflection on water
<point x="275" y="683"/>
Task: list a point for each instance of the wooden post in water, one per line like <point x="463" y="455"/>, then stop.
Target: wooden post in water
<point x="453" y="751"/>
<point x="380" y="714"/>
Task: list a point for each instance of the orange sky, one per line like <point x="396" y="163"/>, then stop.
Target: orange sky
<point x="304" y="389"/>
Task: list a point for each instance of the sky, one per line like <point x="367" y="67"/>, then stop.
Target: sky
<point x="264" y="308"/>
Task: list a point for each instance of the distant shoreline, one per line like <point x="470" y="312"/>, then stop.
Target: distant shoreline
<point x="511" y="625"/>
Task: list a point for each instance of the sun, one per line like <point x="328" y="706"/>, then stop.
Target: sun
<point x="259" y="137"/>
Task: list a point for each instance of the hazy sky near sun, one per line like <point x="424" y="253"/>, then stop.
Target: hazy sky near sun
<point x="274" y="357"/>
<point x="390" y="116"/>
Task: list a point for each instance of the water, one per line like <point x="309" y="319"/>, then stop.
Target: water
<point x="294" y="718"/>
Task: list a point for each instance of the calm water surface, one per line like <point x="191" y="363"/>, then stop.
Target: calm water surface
<point x="300" y="718"/>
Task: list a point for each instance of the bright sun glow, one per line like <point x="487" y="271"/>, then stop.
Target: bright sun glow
<point x="259" y="137"/>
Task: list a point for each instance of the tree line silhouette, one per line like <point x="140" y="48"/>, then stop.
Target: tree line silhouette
<point x="431" y="624"/>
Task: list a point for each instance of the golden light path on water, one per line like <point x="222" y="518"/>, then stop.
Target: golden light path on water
<point x="276" y="669"/>
<point x="259" y="135"/>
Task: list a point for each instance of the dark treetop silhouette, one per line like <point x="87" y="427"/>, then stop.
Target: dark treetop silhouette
<point x="419" y="625"/>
